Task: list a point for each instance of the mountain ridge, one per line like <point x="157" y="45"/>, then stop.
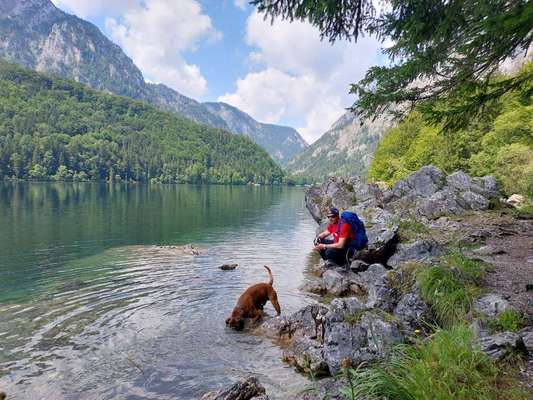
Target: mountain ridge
<point x="40" y="36"/>
<point x="346" y="149"/>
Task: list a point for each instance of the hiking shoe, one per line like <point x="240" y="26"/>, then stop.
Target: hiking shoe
<point x="330" y="264"/>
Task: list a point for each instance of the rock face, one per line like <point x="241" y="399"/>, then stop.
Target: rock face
<point x="345" y="150"/>
<point x="38" y="35"/>
<point x="499" y="345"/>
<point x="282" y="142"/>
<point x="249" y="389"/>
<point x="490" y="305"/>
<point x="418" y="251"/>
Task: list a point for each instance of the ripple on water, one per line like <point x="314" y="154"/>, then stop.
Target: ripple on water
<point x="148" y="322"/>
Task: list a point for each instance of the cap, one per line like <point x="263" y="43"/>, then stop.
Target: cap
<point x="333" y="212"/>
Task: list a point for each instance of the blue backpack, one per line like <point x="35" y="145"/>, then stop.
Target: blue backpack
<point x="358" y="228"/>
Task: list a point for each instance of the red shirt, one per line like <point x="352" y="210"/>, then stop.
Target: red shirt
<point x="345" y="232"/>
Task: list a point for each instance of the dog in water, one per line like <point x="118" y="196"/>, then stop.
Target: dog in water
<point x="251" y="302"/>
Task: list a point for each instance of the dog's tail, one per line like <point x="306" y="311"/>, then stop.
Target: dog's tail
<point x="271" y="281"/>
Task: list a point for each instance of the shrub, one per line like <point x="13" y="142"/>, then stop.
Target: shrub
<point x="446" y="367"/>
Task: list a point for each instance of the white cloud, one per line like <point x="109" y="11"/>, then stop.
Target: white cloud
<point x="156" y="33"/>
<point x="300" y="77"/>
<point x="90" y="8"/>
<point x="240" y="4"/>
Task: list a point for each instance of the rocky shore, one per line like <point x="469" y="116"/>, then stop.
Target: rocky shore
<point x="379" y="300"/>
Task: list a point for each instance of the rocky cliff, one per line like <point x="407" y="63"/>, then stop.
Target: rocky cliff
<point x="345" y="150"/>
<point x="282" y="142"/>
<point x="38" y="35"/>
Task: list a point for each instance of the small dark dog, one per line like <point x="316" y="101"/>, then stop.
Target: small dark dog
<point x="251" y="302"/>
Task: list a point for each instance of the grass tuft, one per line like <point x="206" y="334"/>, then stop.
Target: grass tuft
<point x="508" y="320"/>
<point x="446" y="367"/>
<point x="449" y="299"/>
<point x="471" y="271"/>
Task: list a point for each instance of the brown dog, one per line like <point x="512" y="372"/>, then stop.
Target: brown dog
<point x="251" y="302"/>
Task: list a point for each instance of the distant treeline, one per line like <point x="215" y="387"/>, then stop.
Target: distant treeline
<point x="53" y="129"/>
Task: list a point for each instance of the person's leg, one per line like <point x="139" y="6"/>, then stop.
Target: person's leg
<point x="338" y="256"/>
<point x="323" y="252"/>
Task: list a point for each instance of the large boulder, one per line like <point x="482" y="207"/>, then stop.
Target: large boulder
<point x="249" y="389"/>
<point x="418" y="251"/>
<point x="306" y="355"/>
<point x="375" y="284"/>
<point x="382" y="231"/>
<point x="305" y="322"/>
<point x="432" y="194"/>
<point x="362" y="337"/>
<point x="337" y="281"/>
<point x="334" y="192"/>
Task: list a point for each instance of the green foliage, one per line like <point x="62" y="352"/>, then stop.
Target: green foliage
<point x="446" y="367"/>
<point x="500" y="142"/>
<point x="52" y="129"/>
<point x="508" y="320"/>
<point x="470" y="271"/>
<point x="440" y="50"/>
<point x="449" y="299"/>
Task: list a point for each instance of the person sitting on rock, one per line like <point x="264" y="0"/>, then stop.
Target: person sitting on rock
<point x="333" y="251"/>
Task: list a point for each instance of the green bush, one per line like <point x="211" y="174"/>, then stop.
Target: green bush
<point x="446" y="367"/>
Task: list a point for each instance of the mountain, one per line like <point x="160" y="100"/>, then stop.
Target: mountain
<point x="36" y="34"/>
<point x="56" y="129"/>
<point x="346" y="149"/>
<point x="282" y="142"/>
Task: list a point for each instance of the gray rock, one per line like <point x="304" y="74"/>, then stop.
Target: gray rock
<point x="336" y="282"/>
<point x="419" y="251"/>
<point x="316" y="287"/>
<point x="326" y="388"/>
<point x="382" y="232"/>
<point x="422" y="183"/>
<point x="499" y="345"/>
<point x="358" y="266"/>
<point x="527" y="337"/>
<point x="334" y="192"/>
<point x="412" y="311"/>
<point x="375" y="283"/>
<point x="491" y="304"/>
<point x="472" y="201"/>
<point x="242" y="390"/>
<point x="381" y="334"/>
<point x="354" y="341"/>
<point x="306" y="355"/>
<point x="342" y="309"/>
<point x="305" y="322"/>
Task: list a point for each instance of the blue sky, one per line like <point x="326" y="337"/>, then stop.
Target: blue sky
<point x="222" y="50"/>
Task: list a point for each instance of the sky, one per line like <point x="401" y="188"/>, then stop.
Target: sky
<point x="223" y="50"/>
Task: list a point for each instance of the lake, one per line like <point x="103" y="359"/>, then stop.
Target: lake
<point x="97" y="303"/>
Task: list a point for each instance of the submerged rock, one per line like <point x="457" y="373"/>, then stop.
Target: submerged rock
<point x="228" y="267"/>
<point x="249" y="389"/>
<point x="306" y="355"/>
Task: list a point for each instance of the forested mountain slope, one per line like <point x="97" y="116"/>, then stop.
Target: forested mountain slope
<point x="346" y="149"/>
<point x="56" y="129"/>
<point x="36" y="34"/>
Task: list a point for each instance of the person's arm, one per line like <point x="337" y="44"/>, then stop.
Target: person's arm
<point x="339" y="245"/>
<point x="324" y="234"/>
